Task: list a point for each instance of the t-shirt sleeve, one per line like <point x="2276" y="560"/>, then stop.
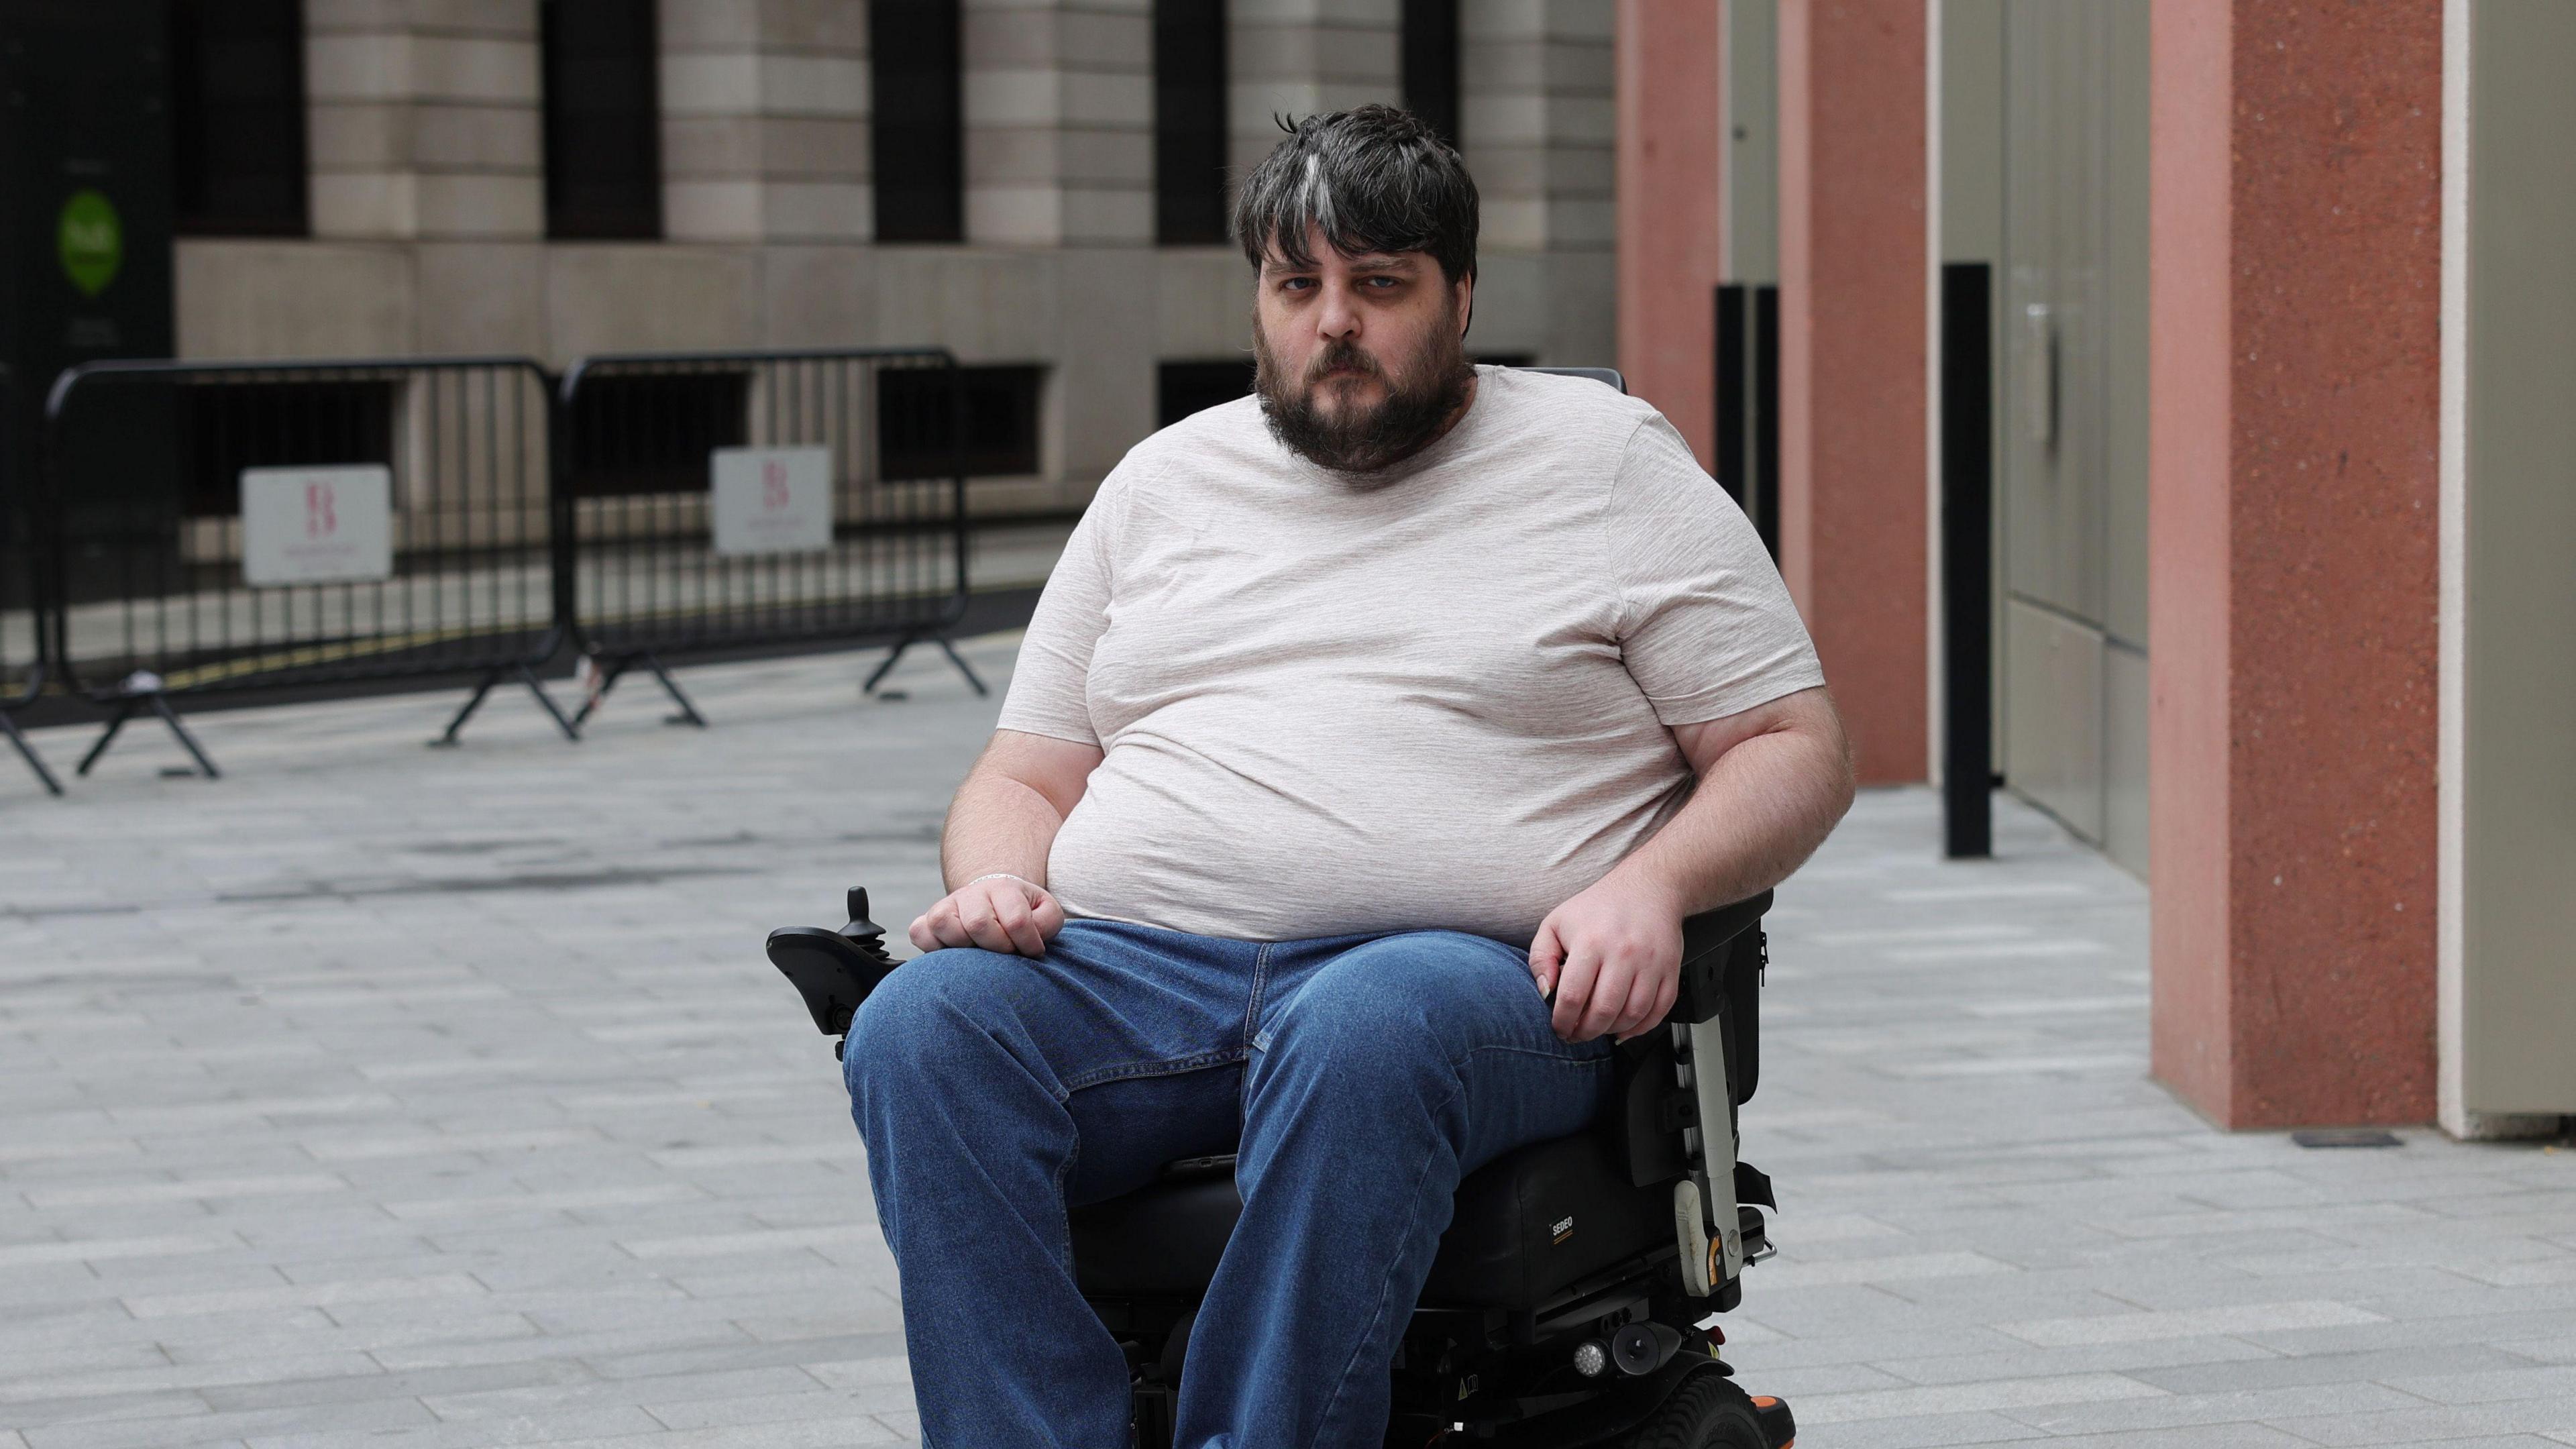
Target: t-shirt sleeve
<point x="1048" y="694"/>
<point x="1706" y="626"/>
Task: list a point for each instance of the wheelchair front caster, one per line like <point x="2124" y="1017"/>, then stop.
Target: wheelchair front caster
<point x="1710" y="1412"/>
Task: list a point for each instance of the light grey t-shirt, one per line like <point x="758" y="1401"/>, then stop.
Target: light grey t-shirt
<point x="1433" y="699"/>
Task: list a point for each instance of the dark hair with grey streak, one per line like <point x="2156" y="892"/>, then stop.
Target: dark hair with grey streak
<point x="1374" y="179"/>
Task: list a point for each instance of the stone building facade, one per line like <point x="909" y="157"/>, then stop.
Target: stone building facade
<point x="428" y="221"/>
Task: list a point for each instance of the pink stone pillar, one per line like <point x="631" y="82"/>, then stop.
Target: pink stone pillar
<point x="1853" y="270"/>
<point x="2294" y="261"/>
<point x="1670" y="130"/>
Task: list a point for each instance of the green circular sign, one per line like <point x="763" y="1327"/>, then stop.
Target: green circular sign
<point x="91" y="241"/>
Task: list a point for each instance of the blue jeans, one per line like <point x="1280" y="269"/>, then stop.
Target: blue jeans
<point x="1358" y="1077"/>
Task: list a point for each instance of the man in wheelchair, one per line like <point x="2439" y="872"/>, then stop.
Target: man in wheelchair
<point x="1367" y="751"/>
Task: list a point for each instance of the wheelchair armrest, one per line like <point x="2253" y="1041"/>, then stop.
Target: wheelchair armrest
<point x="1708" y="951"/>
<point x="1722" y="953"/>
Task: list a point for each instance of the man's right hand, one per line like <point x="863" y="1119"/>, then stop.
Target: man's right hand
<point x="1004" y="914"/>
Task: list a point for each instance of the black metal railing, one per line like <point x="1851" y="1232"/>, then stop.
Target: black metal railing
<point x="222" y="526"/>
<point x="23" y="615"/>
<point x="725" y="500"/>
<point x="181" y="530"/>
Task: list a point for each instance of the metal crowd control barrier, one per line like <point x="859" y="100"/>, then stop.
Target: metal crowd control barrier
<point x="229" y="526"/>
<point x="733" y="499"/>
<point x="22" y="591"/>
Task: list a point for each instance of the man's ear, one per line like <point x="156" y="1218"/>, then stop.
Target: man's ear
<point x="1466" y="298"/>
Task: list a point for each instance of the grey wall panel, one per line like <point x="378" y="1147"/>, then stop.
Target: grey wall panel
<point x="2124" y="756"/>
<point x="2124" y="324"/>
<point x="1972" y="230"/>
<point x="2518" y="857"/>
<point x="1751" y="252"/>
<point x="2052" y="445"/>
<point x="2053" y="697"/>
<point x="1972" y="130"/>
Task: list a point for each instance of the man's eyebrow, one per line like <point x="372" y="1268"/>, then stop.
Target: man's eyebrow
<point x="1375" y="262"/>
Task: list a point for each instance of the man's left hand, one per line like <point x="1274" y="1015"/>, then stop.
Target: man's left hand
<point x="1613" y="955"/>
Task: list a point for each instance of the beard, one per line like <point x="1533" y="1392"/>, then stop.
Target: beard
<point x="1419" y="402"/>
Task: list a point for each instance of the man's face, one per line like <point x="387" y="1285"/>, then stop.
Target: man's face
<point x="1361" y="360"/>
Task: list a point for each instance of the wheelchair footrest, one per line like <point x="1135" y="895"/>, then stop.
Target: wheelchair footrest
<point x="1779" y="1426"/>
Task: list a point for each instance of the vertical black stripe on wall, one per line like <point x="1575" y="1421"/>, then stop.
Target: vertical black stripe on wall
<point x="1766" y="416"/>
<point x="917" y="140"/>
<point x="1189" y="122"/>
<point x="1967" y="560"/>
<point x="1430" y="64"/>
<point x="1732" y="459"/>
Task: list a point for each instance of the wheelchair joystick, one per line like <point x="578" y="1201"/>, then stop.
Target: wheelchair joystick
<point x="833" y="970"/>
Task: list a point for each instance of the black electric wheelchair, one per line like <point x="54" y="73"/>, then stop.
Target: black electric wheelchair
<point x="1564" y="1304"/>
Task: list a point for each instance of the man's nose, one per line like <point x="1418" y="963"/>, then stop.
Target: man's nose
<point x="1340" y="315"/>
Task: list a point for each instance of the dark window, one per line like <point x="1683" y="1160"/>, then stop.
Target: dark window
<point x="237" y="117"/>
<point x="603" y="123"/>
<point x="1183" y="388"/>
<point x="914" y="73"/>
<point x="1431" y="64"/>
<point x="917" y="421"/>
<point x="1189" y="122"/>
<point x="229" y="426"/>
<point x="651" y="432"/>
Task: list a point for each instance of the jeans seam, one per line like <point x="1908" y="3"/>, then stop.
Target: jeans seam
<point x="1168" y="1067"/>
<point x="1342" y="1382"/>
<point x="1252" y="1007"/>
<point x="1064" y="1210"/>
<point x="1562" y="1059"/>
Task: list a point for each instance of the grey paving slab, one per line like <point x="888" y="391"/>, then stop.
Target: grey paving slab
<point x="378" y="1096"/>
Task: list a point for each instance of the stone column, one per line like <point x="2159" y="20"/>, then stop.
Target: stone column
<point x="1537" y="111"/>
<point x="2295" y="257"/>
<point x="1853" y="267"/>
<point x="1299" y="58"/>
<point x="1059" y="122"/>
<point x="1671" y="69"/>
<point x="422" y="128"/>
<point x="765" y="121"/>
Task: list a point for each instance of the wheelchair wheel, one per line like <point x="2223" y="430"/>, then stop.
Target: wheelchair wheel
<point x="1709" y="1412"/>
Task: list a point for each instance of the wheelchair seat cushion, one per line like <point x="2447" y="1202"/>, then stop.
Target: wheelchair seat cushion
<point x="1526" y="1225"/>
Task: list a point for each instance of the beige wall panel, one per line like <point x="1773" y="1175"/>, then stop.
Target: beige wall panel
<point x="1203" y="308"/>
<point x="482" y="297"/>
<point x="701" y="297"/>
<point x="823" y="296"/>
<point x="1511" y="303"/>
<point x="2518" y="858"/>
<point x="1104" y="377"/>
<point x="837" y="25"/>
<point x="292" y="299"/>
<point x="2053" y="707"/>
<point x="1583" y="310"/>
<point x="988" y="304"/>
<point x="490" y="138"/>
<point x="470" y="204"/>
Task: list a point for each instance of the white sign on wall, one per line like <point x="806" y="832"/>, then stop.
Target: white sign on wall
<point x="771" y="500"/>
<point x="317" y="525"/>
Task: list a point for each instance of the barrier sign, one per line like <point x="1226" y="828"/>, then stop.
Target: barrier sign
<point x="772" y="500"/>
<point x="317" y="525"/>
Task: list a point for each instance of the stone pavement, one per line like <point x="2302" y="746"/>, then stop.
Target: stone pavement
<point x="387" y="1097"/>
